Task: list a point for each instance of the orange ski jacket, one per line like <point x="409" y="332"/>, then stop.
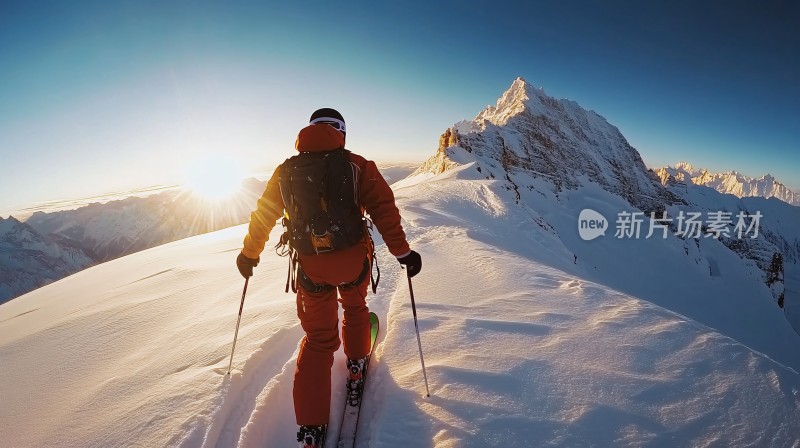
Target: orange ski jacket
<point x="374" y="195"/>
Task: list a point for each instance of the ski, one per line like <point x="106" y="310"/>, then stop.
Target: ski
<point x="353" y="400"/>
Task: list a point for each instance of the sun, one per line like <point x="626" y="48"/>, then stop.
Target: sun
<point x="215" y="177"/>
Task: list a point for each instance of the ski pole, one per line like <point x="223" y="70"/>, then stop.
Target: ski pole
<point x="235" y="335"/>
<point x="416" y="327"/>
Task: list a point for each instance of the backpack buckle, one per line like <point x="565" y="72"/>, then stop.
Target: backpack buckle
<point x="322" y="243"/>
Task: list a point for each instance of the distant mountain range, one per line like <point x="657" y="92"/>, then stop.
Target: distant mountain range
<point x="49" y="246"/>
<point x="29" y="259"/>
<point x="117" y="228"/>
<point x="731" y="182"/>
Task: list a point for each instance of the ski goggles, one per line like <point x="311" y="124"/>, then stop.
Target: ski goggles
<point x="337" y="124"/>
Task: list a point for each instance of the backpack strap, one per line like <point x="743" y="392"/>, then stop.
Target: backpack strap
<point x="373" y="259"/>
<point x="361" y="276"/>
<point x="284" y="249"/>
<point x="293" y="266"/>
<point x="374" y="280"/>
<point x="308" y="284"/>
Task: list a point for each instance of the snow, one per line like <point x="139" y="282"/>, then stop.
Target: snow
<point x="522" y="347"/>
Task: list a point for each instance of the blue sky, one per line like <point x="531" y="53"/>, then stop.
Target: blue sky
<point x="101" y="96"/>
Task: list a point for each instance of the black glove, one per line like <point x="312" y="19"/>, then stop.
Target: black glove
<point x="413" y="262"/>
<point x="246" y="265"/>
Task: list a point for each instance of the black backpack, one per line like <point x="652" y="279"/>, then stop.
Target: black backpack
<point x="320" y="195"/>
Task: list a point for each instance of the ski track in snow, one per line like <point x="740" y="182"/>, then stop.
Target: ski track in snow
<point x="238" y="393"/>
<point x="253" y="407"/>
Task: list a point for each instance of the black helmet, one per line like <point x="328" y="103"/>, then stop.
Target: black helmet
<point x="329" y="116"/>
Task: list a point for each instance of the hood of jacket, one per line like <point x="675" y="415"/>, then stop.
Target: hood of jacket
<point x="319" y="138"/>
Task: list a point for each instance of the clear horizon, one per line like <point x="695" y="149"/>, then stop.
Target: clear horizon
<point x="100" y="98"/>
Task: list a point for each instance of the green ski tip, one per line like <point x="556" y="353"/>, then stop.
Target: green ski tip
<point x="373" y="327"/>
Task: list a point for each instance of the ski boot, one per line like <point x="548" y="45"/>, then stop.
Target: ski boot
<point x="311" y="436"/>
<point x="355" y="380"/>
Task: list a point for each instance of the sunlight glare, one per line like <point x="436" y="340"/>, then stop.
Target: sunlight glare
<point x="215" y="177"/>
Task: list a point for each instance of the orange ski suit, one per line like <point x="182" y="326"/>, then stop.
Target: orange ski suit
<point x="319" y="311"/>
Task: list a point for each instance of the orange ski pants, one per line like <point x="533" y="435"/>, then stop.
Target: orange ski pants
<point x="319" y="317"/>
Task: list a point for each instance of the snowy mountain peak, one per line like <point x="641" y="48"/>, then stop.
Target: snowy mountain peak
<point x="10" y="219"/>
<point x="530" y="133"/>
<point x="513" y="102"/>
<point x="7" y="224"/>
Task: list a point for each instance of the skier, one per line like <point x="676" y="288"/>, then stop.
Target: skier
<point x="327" y="260"/>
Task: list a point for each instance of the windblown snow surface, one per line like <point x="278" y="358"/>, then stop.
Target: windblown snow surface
<point x="523" y="347"/>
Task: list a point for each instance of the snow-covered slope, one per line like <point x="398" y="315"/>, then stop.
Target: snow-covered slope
<point x="731" y="182"/>
<point x="29" y="260"/>
<point x="521" y="347"/>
